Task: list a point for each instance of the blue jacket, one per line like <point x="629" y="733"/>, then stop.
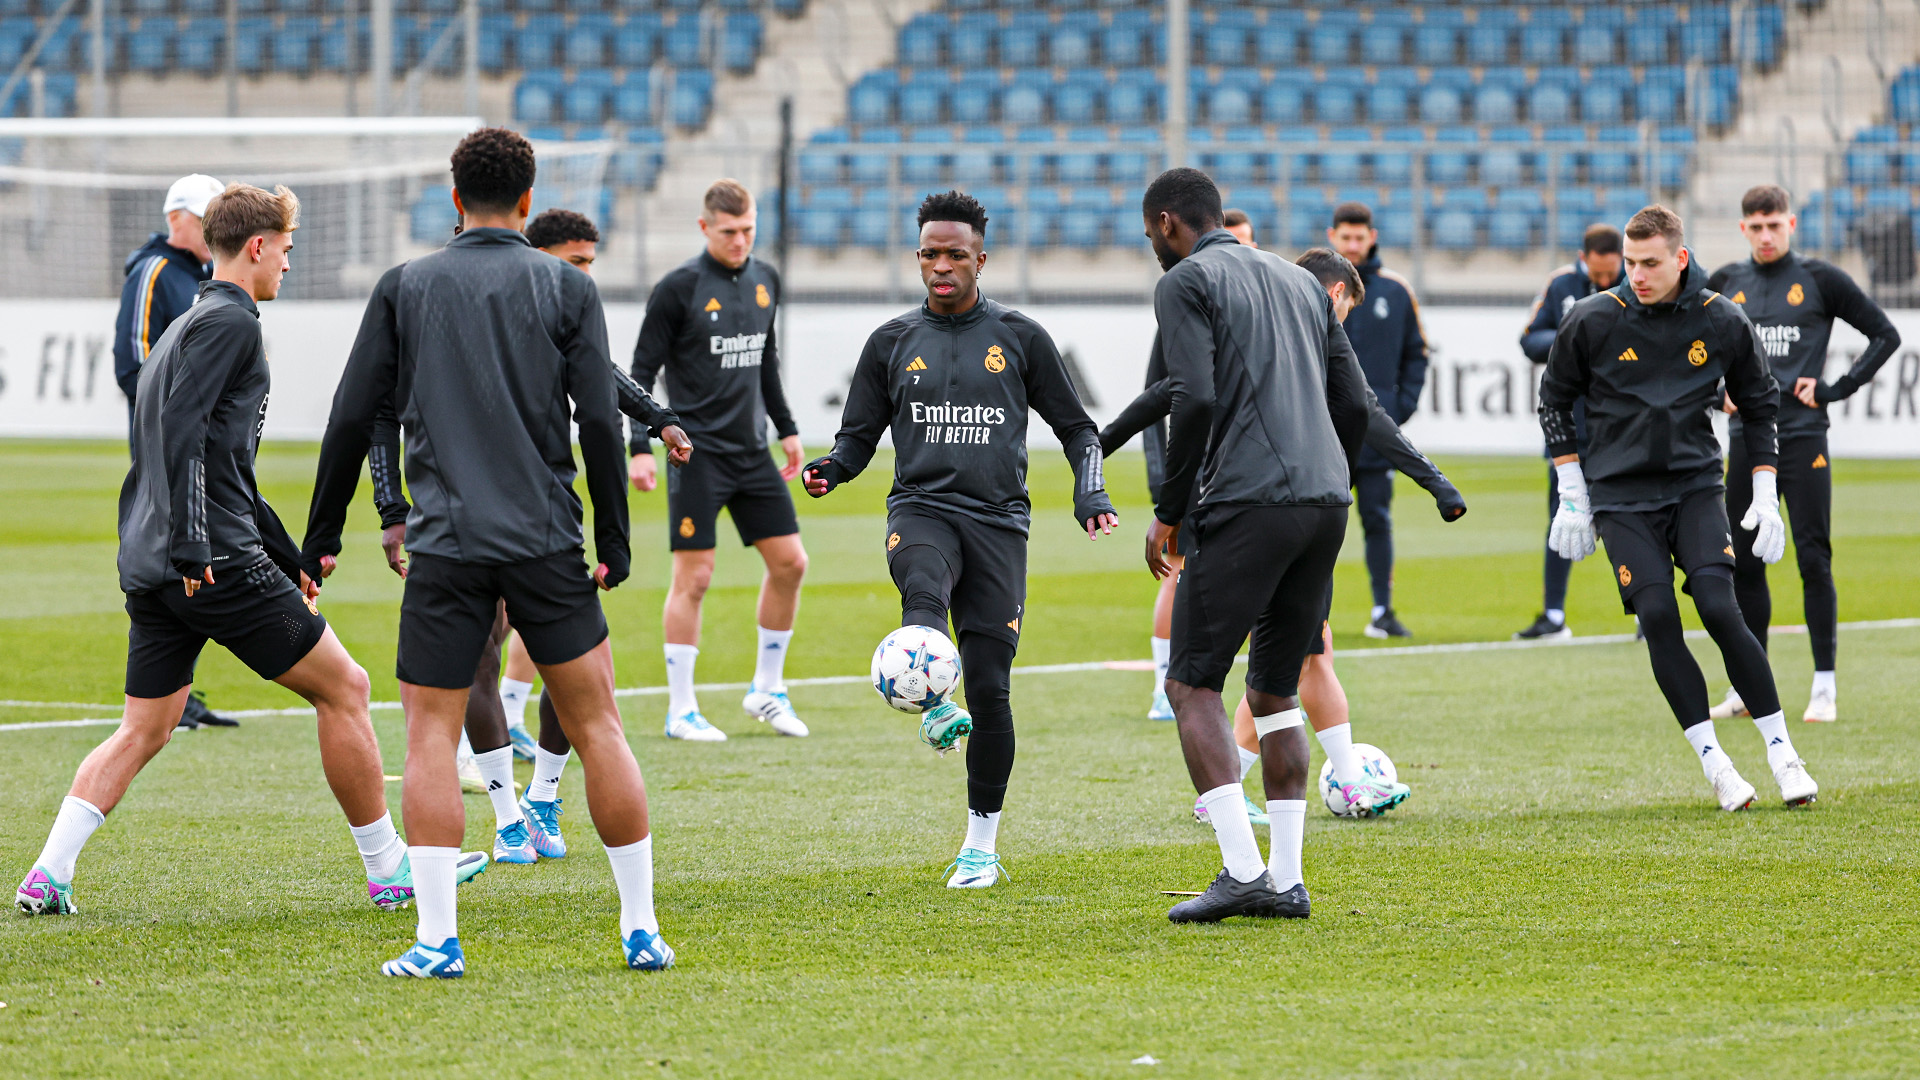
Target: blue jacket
<point x="1385" y="331"/>
<point x="162" y="281"/>
<point x="1568" y="286"/>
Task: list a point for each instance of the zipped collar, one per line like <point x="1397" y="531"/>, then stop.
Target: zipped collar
<point x="715" y="265"/>
<point x="488" y="236"/>
<point x="954" y="324"/>
<point x="1691" y="284"/>
<point x="231" y="292"/>
<point x="1370" y="266"/>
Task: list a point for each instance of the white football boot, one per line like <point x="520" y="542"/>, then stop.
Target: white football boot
<point x="693" y="727"/>
<point x="1796" y="787"/>
<point x="1821" y="708"/>
<point x="975" y="869"/>
<point x="772" y="708"/>
<point x="1729" y="707"/>
<point x="1733" y="792"/>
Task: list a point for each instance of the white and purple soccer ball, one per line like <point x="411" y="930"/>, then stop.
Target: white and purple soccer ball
<point x="916" y="668"/>
<point x="1374" y="765"/>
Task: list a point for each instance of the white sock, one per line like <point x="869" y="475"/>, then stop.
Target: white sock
<point x="1239" y="851"/>
<point x="547" y="767"/>
<point x="72" y="826"/>
<point x="1378" y="611"/>
<point x="1337" y="741"/>
<point x="1557" y="616"/>
<point x="1823" y="682"/>
<point x="680" y="660"/>
<point x="433" y="893"/>
<point x="1248" y="759"/>
<point x="496" y="769"/>
<point x="633" y="875"/>
<point x="770" y="663"/>
<point x="1706" y="746"/>
<point x="1287" y="826"/>
<point x="1162" y="656"/>
<point x="380" y="847"/>
<point x="982" y="830"/>
<point x="513" y="698"/>
<point x="1773" y="730"/>
<point x="465" y="751"/>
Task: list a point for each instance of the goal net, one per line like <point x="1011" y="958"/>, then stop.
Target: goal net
<point x="77" y="195"/>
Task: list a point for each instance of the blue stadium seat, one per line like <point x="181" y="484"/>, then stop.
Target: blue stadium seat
<point x="923" y="41"/>
<point x="1518" y="217"/>
<point x="1230" y="100"/>
<point x="1443" y="98"/>
<point x="873" y="168"/>
<point x="1543" y="40"/>
<point x="1490" y="38"/>
<point x="1276" y="42"/>
<point x="684" y="44"/>
<point x="633" y="99"/>
<point x="1619" y="204"/>
<point x="1024" y="101"/>
<point x="1395" y="167"/>
<point x="1330" y="40"/>
<point x="1039" y="215"/>
<point x="538" y="43"/>
<point x="1240" y="158"/>
<point x="1076" y="99"/>
<point x="792" y="9"/>
<point x="1131" y="168"/>
<point x="823" y="160"/>
<point x="871" y="100"/>
<point x="1603" y="97"/>
<point x="1703" y="37"/>
<point x="1456" y="224"/>
<point x="1451" y="166"/>
<point x="495" y="31"/>
<point x="1336" y="99"/>
<point x="1561" y="166"/>
<point x="970" y="41"/>
<point x="1071" y="44"/>
<point x="586" y="98"/>
<point x="1660" y="94"/>
<point x="1867" y="162"/>
<point x="1506" y="166"/>
<point x="1124" y="41"/>
<point x="333" y="45"/>
<point x="1284" y="100"/>
<point x="1650" y="34"/>
<point x="637" y="41"/>
<point x="1497" y="99"/>
<point x="922" y="169"/>
<point x="977" y="165"/>
<point x="1002" y="218"/>
<point x="1294" y="160"/>
<point x="692" y="98"/>
<point x="536" y="99"/>
<point x="1393" y="217"/>
<point x="152" y="48"/>
<point x="197" y="48"/>
<point x="1133" y="97"/>
<point x="1307" y="217"/>
<point x="432" y="217"/>
<point x="1021" y="40"/>
<point x="1083" y="222"/>
<point x="1225" y="41"/>
<point x="824" y="215"/>
<point x="1673" y="160"/>
<point x="1550" y="101"/>
<point x="1340" y="166"/>
<point x="922" y="96"/>
<point x="1720" y="97"/>
<point x="1597" y="39"/>
<point x="1383" y="42"/>
<point x="1388" y="99"/>
<point x="1613" y="160"/>
<point x="1262" y="213"/>
<point x="1574" y="209"/>
<point x="1903" y="97"/>
<point x="971" y="101"/>
<point x="740" y="38"/>
<point x="1436" y="40"/>
<point x="1079" y="167"/>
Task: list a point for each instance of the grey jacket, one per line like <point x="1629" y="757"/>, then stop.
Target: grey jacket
<point x="489" y="348"/>
<point x="1258" y="411"/>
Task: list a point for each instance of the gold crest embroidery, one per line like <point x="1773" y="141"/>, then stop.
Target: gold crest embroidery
<point x="1796" y="295"/>
<point x="1697" y="353"/>
<point x="996" y="360"/>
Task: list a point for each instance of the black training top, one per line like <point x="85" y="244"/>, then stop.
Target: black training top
<point x="956" y="390"/>
<point x="491" y="350"/>
<point x="1258" y="411"/>
<point x="190" y="501"/>
<point x="1651" y="375"/>
<point x="1792" y="302"/>
<point x="712" y="328"/>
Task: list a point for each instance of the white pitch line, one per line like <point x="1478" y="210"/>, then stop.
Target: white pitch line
<point x="1035" y="669"/>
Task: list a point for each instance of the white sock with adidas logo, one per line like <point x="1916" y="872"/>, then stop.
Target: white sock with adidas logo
<point x="1706" y="747"/>
<point x="496" y="768"/>
<point x="1773" y="730"/>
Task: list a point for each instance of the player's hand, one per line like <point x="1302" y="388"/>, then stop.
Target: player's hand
<point x="328" y="564"/>
<point x="1571" y="535"/>
<point x="791" y="446"/>
<point x="679" y="447"/>
<point x="1726" y="404"/>
<point x="1804" y="388"/>
<point x="193" y="584"/>
<point x="309" y="588"/>
<point x="642" y="470"/>
<point x="1763" y="518"/>
<point x="822" y="475"/>
<point x="1161" y="538"/>
<point x="600" y="577"/>
<point x="1103" y="524"/>
<point x="1447" y="498"/>
<point x="393" y="541"/>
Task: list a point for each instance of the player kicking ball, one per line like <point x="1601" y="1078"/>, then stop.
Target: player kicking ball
<point x="1649" y="356"/>
<point x="955" y="380"/>
<point x="203" y="557"/>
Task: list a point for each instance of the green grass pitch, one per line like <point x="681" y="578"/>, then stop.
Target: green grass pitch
<point x="1559" y="898"/>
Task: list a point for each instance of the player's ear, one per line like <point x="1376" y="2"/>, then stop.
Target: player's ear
<point x="524" y="207"/>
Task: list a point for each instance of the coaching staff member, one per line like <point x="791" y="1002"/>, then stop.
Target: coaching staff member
<point x="1264" y="419"/>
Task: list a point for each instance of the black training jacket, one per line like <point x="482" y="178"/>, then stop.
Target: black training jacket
<point x="712" y="329"/>
<point x="190" y="501"/>
<point x="1258" y="411"/>
<point x="956" y="390"/>
<point x="1650" y="374"/>
<point x="1146" y="413"/>
<point x="489" y="348"/>
<point x="1792" y="302"/>
<point x="161" y="283"/>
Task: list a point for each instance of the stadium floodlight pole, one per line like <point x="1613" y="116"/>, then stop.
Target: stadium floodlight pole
<point x="382" y="68"/>
<point x="233" y="57"/>
<point x="1177" y="66"/>
<point x="470" y="53"/>
<point x="97" y="29"/>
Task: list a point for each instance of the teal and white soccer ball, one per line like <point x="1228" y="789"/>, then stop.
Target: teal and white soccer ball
<point x="916" y="668"/>
<point x="1374" y="765"/>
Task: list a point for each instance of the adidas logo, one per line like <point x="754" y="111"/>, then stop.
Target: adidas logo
<point x="1705" y="750"/>
<point x="1740" y="297"/>
<point x="1820" y="461"/>
<point x="917" y="365"/>
<point x="713" y="304"/>
<point x="493" y="785"/>
<point x="1629" y="355"/>
<point x="1776" y="742"/>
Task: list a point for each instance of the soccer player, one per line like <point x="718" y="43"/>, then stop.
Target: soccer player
<point x="202" y="556"/>
<point x="492" y="351"/>
<point x="1386" y="336"/>
<point x="710" y="325"/>
<point x="1264" y="418"/>
<point x="163" y="277"/>
<point x="1649" y="356"/>
<point x="528" y="830"/>
<point x="955" y="380"/>
<point x="1597" y="270"/>
<point x="1793" y="302"/>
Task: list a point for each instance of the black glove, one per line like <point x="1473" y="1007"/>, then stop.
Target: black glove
<point x="619" y="566"/>
<point x="1091" y="505"/>
<point x="827" y="469"/>
<point x="1447" y="498"/>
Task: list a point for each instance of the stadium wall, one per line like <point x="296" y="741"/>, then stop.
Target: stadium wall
<point x="56" y="371"/>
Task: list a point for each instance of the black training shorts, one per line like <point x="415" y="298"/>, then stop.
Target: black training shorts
<point x="1260" y="570"/>
<point x="256" y="611"/>
<point x="748" y="485"/>
<point x="985" y="567"/>
<point x="448" y="609"/>
<point x="1319" y="645"/>
<point x="1645" y="545"/>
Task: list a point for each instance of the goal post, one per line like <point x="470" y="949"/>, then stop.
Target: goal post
<point x="76" y="195"/>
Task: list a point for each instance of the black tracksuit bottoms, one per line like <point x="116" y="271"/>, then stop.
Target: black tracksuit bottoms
<point x="1806" y="487"/>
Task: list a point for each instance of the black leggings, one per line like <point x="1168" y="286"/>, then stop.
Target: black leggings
<point x="1673" y="665"/>
<point x="1806" y="487"/>
<point x="986" y="663"/>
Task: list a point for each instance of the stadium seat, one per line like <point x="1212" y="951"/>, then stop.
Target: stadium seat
<point x="1079" y="167"/>
<point x="637" y="41"/>
<point x="1659" y="94"/>
<point x="1083" y="221"/>
<point x="1131" y="168"/>
<point x="1550" y="100"/>
<point x="1619" y="204"/>
<point x="1230" y="100"/>
<point x="923" y="41"/>
<point x="1336" y="99"/>
<point x="1603" y="97"/>
<point x="1443" y="98"/>
<point x="1071" y="44"/>
<point x="432" y="217"/>
<point x="683" y="42"/>
<point x="692" y="98"/>
<point x="538" y="43"/>
<point x="586" y="98"/>
<point x="633" y="99"/>
<point x="1613" y="159"/>
<point x="586" y="43"/>
<point x="970" y="101"/>
<point x="873" y="168"/>
<point x="1506" y="166"/>
<point x="922" y="97"/>
<point x="1383" y="42"/>
<point x="1518" y="217"/>
<point x="1021" y="40"/>
<point x="922" y="169"/>
<point x="1393" y="216"/>
<point x="1395" y="167"/>
<point x="1497" y="99"/>
<point x="495" y="31"/>
<point x="1294" y="158"/>
<point x="1225" y="41"/>
<point x="1703" y="37"/>
<point x="1123" y="43"/>
<point x="1276" y="42"/>
<point x="1451" y="166"/>
<point x="197" y="48"/>
<point x="1597" y="39"/>
<point x="1340" y="166"/>
<point x="1038" y="215"/>
<point x="1455" y="225"/>
<point x="1307" y="217"/>
<point x="1025" y="100"/>
<point x="1649" y="35"/>
<point x="1903" y="97"/>
<point x="1543" y="40"/>
<point x="152" y="49"/>
<point x="1673" y="162"/>
<point x="977" y="165"/>
<point x="1490" y="38"/>
<point x="740" y="38"/>
<point x="1132" y="97"/>
<point x="1330" y="40"/>
<point x="1436" y="40"/>
<point x="1076" y="99"/>
<point x="823" y="161"/>
<point x="822" y="218"/>
<point x="970" y="41"/>
<point x="1284" y="100"/>
<point x="1720" y="98"/>
<point x="871" y="100"/>
<point x="1574" y="208"/>
<point x="536" y="99"/>
<point x="1240" y="158"/>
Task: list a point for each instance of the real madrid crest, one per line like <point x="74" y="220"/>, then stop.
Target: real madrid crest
<point x="760" y="296"/>
<point x="996" y="360"/>
<point x="1697" y="353"/>
<point x="1796" y="294"/>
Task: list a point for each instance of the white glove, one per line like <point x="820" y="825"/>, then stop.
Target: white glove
<point x="1763" y="518"/>
<point x="1571" y="536"/>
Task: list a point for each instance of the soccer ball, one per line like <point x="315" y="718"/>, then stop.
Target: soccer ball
<point x="916" y="668"/>
<point x="1374" y="765"/>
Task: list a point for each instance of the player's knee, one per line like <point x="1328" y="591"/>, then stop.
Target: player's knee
<point x="693" y="580"/>
<point x="789" y="566"/>
<point x="1815" y="562"/>
<point x="1659" y="612"/>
